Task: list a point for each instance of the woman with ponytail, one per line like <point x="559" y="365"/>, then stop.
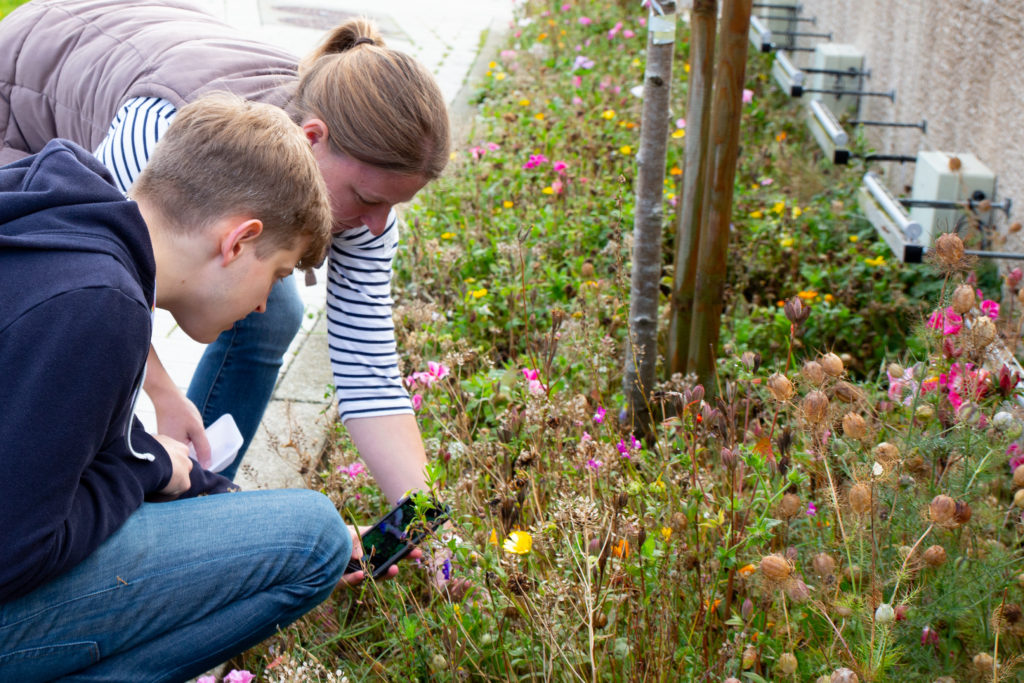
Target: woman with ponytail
<point x="378" y="127"/>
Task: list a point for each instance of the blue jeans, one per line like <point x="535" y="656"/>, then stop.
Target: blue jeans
<point x="238" y="371"/>
<point x="178" y="589"/>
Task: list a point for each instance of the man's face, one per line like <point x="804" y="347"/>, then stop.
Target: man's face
<point x="233" y="291"/>
<point x="362" y="194"/>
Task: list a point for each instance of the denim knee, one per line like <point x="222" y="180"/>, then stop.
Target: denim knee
<point x="283" y="316"/>
<point x="333" y="541"/>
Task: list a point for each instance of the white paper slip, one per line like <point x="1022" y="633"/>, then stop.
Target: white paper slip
<point x="225" y="440"/>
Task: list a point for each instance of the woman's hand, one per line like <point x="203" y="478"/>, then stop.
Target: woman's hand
<point x="355" y="578"/>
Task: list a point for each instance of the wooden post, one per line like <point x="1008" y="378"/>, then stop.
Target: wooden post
<point x="642" y="344"/>
<point x="703" y="25"/>
<point x="714" y="238"/>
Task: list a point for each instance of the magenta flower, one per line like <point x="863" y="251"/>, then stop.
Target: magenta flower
<point x="417" y="402"/>
<point x="990" y="308"/>
<point x="206" y="679"/>
<point x="566" y="7"/>
<point x="599" y="415"/>
<point x="534" y="384"/>
<point x="614" y="30"/>
<point x="493" y="146"/>
<point x="353" y="470"/>
<point x="477" y="152"/>
<point x="899" y="385"/>
<point x="949" y="321"/>
<point x="576" y="82"/>
<point x="812" y="509"/>
<point x="237" y="676"/>
<point x="1016" y="456"/>
<point x="435" y="372"/>
<point x="535" y="161"/>
<point x="586" y="21"/>
<point x="628" y="34"/>
<point x="594" y="464"/>
<point x="929" y="636"/>
<point x="560" y="166"/>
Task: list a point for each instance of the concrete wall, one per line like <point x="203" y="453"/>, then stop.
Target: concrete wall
<point x="957" y="63"/>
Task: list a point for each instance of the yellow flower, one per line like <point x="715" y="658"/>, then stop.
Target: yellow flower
<point x="670" y="196"/>
<point x="542" y="36"/>
<point x="797" y="211"/>
<point x="686" y="67"/>
<point x="452" y="156"/>
<point x="875" y="262"/>
<point x="492" y="65"/>
<point x="786" y="242"/>
<point x="679" y="133"/>
<point x="666" y="532"/>
<point x="636" y="62"/>
<point x="621" y="549"/>
<point x="507" y="204"/>
<point x="548" y="190"/>
<point x="756" y="214"/>
<point x="608" y="114"/>
<point x="675" y="170"/>
<point x="626" y="150"/>
<point x="855" y="238"/>
<point x="518" y="542"/>
<point x="493" y="540"/>
<point x="539" y="116"/>
<point x="447" y="235"/>
<point x="747" y="570"/>
<point x="807" y="295"/>
<point x="524" y="102"/>
<point x="630" y="125"/>
<point x="477" y="293"/>
<point x="488" y="73"/>
<point x="829" y="298"/>
<point x="469" y="280"/>
<point x="780" y="137"/>
<point x="500" y="76"/>
<point x="779" y="207"/>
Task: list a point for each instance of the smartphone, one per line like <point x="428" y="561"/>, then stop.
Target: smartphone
<point x="396" y="534"/>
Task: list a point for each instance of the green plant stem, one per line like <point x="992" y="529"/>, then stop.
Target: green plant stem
<point x="981" y="466"/>
<point x="835" y="503"/>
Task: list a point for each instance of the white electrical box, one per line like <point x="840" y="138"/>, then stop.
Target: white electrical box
<point x="937" y="177"/>
<point x="837" y="57"/>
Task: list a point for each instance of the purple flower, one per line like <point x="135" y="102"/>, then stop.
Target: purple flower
<point x="594" y="464"/>
<point x="599" y="415"/>
<point x="582" y="63"/>
<point x="812" y="509"/>
<point x="446" y="569"/>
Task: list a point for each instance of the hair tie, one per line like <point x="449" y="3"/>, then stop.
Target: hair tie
<point x="362" y="40"/>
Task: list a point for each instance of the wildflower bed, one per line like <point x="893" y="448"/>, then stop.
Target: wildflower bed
<point x="841" y="507"/>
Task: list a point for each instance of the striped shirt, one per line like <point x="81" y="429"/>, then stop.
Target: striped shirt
<point x="360" y="329"/>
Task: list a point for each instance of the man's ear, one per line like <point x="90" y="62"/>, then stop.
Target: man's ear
<point x="238" y="238"/>
<point x="315" y="131"/>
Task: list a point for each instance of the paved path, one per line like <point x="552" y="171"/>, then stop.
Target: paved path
<point x="447" y="36"/>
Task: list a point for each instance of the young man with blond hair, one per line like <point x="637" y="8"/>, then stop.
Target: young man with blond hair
<point x="119" y="564"/>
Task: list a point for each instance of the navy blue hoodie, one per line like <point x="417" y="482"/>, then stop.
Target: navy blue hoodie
<point x="77" y="279"/>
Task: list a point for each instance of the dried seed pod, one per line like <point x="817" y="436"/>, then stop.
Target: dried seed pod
<point x="679" y="522"/>
<point x="797" y="590"/>
<point x="815" y="407"/>
<point x="1014" y="227"/>
<point x="787" y="663"/>
<point x="776" y="568"/>
<point x="983" y="663"/>
<point x="887" y="454"/>
<point x="854" y="426"/>
<point x="847" y="393"/>
<point x="1018" y="476"/>
<point x="1018" y="498"/>
<point x="924" y="412"/>
<point x="949" y="249"/>
<point x="860" y="498"/>
<point x="894" y="369"/>
<point x="962" y="515"/>
<point x="935" y="556"/>
<point x="823" y="565"/>
<point x="983" y="332"/>
<point x="813" y="372"/>
<point x="963" y="299"/>
<point x="941" y="510"/>
<point x="789" y="506"/>
<point x="751" y="359"/>
<point x="854" y="573"/>
<point x="780" y="387"/>
<point x="884" y="613"/>
<point x="955" y="163"/>
<point x="831" y="364"/>
<point x="843" y="675"/>
<point x="843" y="611"/>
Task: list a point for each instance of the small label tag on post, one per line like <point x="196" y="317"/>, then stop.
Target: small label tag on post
<point x="663" y="28"/>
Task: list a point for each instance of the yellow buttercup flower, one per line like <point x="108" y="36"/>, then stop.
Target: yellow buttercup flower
<point x="626" y="150"/>
<point x="786" y="242"/>
<point x="548" y="190"/>
<point x="779" y="207"/>
<point x="518" y="542"/>
<point x="829" y="298"/>
<point x="854" y="238"/>
<point x="539" y="116"/>
<point x="608" y="114"/>
<point x="447" y="235"/>
<point x="875" y="262"/>
<point x="524" y="102"/>
<point x="477" y="293"/>
<point x="666" y="532"/>
<point x="675" y="170"/>
<point x="507" y="204"/>
<point x="756" y="214"/>
<point x="797" y="211"/>
<point x="679" y="133"/>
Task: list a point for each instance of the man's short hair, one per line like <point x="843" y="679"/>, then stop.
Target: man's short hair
<point x="224" y="156"/>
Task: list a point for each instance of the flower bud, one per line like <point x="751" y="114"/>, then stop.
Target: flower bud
<point x="796" y="310"/>
<point x="963" y="298"/>
<point x="860" y="498"/>
<point x="728" y="457"/>
<point x="815" y="407"/>
<point x="884" y="614"/>
<point x="747" y="609"/>
<point x="787" y="663"/>
<point x="813" y="372"/>
<point x="751" y="359"/>
<point x="776" y="567"/>
<point x="831" y="364"/>
<point x="854" y="426"/>
<point x="935" y="556"/>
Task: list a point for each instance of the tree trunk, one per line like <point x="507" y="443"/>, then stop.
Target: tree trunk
<point x="642" y="345"/>
<point x="714" y="239"/>
<point x="703" y="25"/>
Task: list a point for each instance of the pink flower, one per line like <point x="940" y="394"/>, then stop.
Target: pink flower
<point x="582" y="62"/>
<point x="534" y="384"/>
<point x="614" y="30"/>
<point x="899" y="385"/>
<point x="417" y="402"/>
<point x="493" y="146"/>
<point x="577" y="81"/>
<point x="507" y="54"/>
<point x="435" y="372"/>
<point x="594" y="464"/>
<point x="990" y="308"/>
<point x="566" y="7"/>
<point x="929" y="636"/>
<point x="599" y="415"/>
<point x="477" y="152"/>
<point x="767" y="181"/>
<point x="680" y="123"/>
<point x="535" y="161"/>
<point x="812" y="509"/>
<point x="237" y="676"/>
<point x="206" y="679"/>
<point x="557" y="186"/>
<point x="586" y="21"/>
<point x="560" y="166"/>
<point x="353" y="470"/>
<point x="748" y="96"/>
<point x="1016" y="456"/>
<point x="949" y="321"/>
<point x="628" y="34"/>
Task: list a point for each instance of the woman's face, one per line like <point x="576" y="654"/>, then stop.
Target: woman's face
<point x="362" y="194"/>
